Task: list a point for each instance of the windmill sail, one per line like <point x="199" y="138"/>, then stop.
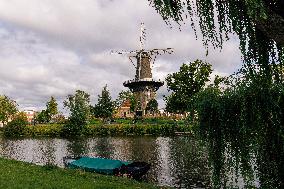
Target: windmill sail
<point x="143" y="86"/>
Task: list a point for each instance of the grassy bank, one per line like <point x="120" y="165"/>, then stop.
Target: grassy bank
<point x="121" y="127"/>
<point x="15" y="174"/>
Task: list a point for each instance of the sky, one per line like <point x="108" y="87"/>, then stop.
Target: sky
<point x="55" y="47"/>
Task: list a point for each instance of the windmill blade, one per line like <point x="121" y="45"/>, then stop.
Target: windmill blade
<point x="123" y="52"/>
<point x="153" y="61"/>
<point x="148" y="54"/>
<point x="140" y="52"/>
<point x="142" y="37"/>
<point x="159" y="51"/>
<point x="119" y="52"/>
<point x="132" y="60"/>
<point x="166" y="49"/>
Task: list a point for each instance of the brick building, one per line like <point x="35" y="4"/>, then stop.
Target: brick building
<point x="124" y="110"/>
<point x="30" y="115"/>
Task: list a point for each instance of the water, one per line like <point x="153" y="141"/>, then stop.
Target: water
<point x="180" y="162"/>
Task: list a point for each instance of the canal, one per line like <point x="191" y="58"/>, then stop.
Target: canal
<point x="180" y="162"/>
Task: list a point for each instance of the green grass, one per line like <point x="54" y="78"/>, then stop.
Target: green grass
<point x="16" y="174"/>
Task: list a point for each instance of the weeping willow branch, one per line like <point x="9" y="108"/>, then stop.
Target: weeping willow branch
<point x="258" y="23"/>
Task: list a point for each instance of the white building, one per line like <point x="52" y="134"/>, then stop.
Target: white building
<point x="30" y="115"/>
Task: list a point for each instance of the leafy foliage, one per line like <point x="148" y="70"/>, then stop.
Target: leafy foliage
<point x="134" y="104"/>
<point x="42" y="117"/>
<point x="124" y="96"/>
<point x="59" y="118"/>
<point x="242" y="123"/>
<point x="258" y="23"/>
<point x="44" y="130"/>
<point x="105" y="107"/>
<point x="155" y="127"/>
<point x="152" y="106"/>
<point x="244" y="126"/>
<point x="121" y="127"/>
<point x="51" y="108"/>
<point x="17" y="126"/>
<point x="79" y="107"/>
<point x="8" y="108"/>
<point x="185" y="83"/>
<point x="48" y="115"/>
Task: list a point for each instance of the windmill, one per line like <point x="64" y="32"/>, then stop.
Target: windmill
<point x="144" y="87"/>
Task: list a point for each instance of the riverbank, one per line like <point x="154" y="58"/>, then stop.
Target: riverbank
<point x="120" y="127"/>
<point x="16" y="174"/>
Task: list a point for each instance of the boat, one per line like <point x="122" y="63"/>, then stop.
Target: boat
<point x="134" y="170"/>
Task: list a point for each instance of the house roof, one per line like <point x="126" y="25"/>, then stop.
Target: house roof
<point x="126" y="103"/>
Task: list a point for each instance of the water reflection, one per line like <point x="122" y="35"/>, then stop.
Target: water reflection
<point x="179" y="162"/>
<point x="164" y="163"/>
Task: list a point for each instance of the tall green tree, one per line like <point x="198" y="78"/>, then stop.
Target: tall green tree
<point x="8" y="108"/>
<point x="42" y="117"/>
<point x="152" y="106"/>
<point x="105" y="106"/>
<point x="51" y="108"/>
<point x="122" y="96"/>
<point x="79" y="107"/>
<point x="185" y="83"/>
<point x="126" y="95"/>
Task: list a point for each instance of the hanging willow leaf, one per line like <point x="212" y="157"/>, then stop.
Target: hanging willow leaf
<point x="258" y="23"/>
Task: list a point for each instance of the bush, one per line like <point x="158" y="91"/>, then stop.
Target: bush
<point x="17" y="126"/>
<point x="50" y="130"/>
<point x="69" y="129"/>
<point x="73" y="128"/>
<point x="135" y="129"/>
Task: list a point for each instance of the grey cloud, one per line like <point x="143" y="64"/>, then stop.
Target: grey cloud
<point x="53" y="47"/>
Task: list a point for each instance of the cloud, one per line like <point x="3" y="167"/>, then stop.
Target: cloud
<point x="53" y="47"/>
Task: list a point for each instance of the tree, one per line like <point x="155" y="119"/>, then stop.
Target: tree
<point x="42" y="117"/>
<point x="174" y="104"/>
<point x="51" y="108"/>
<point x="134" y="104"/>
<point x="152" y="106"/>
<point x="17" y="126"/>
<point x="59" y="118"/>
<point x="247" y="117"/>
<point x="8" y="108"/>
<point x="123" y="96"/>
<point x="105" y="106"/>
<point x="258" y="23"/>
<point x="185" y="83"/>
<point x="126" y="95"/>
<point x="79" y="107"/>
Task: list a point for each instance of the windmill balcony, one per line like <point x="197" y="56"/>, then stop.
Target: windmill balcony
<point x="143" y="82"/>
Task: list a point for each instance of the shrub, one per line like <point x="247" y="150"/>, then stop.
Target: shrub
<point x="50" y="130"/>
<point x="73" y="128"/>
<point x="70" y="129"/>
<point x="17" y="126"/>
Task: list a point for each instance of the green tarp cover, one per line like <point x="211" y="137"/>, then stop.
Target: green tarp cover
<point x="99" y="165"/>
